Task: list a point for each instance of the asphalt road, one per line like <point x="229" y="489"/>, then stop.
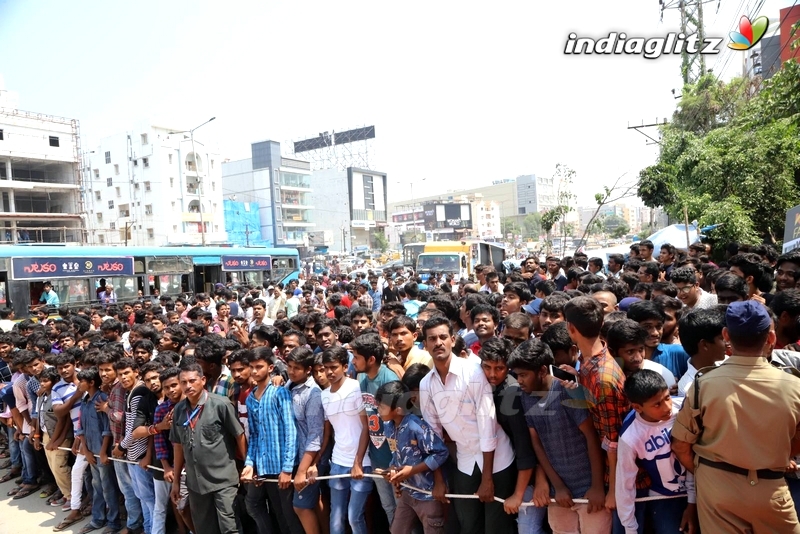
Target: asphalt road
<point x="30" y="515"/>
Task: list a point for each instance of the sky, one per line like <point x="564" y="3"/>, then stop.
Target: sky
<point x="460" y="93"/>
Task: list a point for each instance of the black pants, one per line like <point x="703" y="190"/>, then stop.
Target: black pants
<point x="212" y="513"/>
<point x="280" y="504"/>
<point x="476" y="517"/>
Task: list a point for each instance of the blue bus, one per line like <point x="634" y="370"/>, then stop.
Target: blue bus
<point x="79" y="273"/>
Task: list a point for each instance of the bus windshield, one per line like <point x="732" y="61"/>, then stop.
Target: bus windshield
<point x="438" y="262"/>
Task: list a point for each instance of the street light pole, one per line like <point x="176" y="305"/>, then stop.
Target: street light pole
<point x="200" y="183"/>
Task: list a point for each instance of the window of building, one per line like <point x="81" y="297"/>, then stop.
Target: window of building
<point x="98" y="195"/>
<point x="101" y="239"/>
<point x="54" y="141"/>
<point x="148" y="209"/>
<point x="212" y="163"/>
<point x="112" y="226"/>
<point x="145" y="162"/>
<point x="97" y="173"/>
<point x="116" y="169"/>
<point x="109" y="182"/>
<point x="175" y="228"/>
<point x="124" y="211"/>
<point x="172" y="182"/>
<point x="111" y="204"/>
<point x="136" y="163"/>
<point x="144" y="138"/>
<point x="169" y="158"/>
<point x="522" y="211"/>
<point x="1" y="134"/>
<point x="213" y="186"/>
<point x="150" y="233"/>
<point x="136" y="185"/>
<point x="108" y="157"/>
<point x="99" y="216"/>
<point x="119" y="192"/>
<point x="147" y="186"/>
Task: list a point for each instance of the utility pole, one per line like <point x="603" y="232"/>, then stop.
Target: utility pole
<point x="693" y="66"/>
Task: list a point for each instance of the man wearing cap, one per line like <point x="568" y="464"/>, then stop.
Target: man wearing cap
<point x="737" y="430"/>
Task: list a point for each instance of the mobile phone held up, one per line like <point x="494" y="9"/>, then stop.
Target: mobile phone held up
<point x="562" y="375"/>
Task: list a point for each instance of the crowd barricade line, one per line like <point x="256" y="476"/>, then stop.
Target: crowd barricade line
<point x="402" y="484"/>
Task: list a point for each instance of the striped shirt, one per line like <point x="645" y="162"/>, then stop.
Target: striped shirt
<point x="62" y="392"/>
<point x="142" y="400"/>
<point x="273" y="436"/>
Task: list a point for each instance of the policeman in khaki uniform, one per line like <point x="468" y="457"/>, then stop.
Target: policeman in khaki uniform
<point x="738" y="429"/>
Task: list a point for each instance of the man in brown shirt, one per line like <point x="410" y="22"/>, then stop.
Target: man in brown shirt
<point x="737" y="430"/>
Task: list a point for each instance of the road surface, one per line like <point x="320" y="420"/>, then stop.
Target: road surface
<point x="31" y="515"/>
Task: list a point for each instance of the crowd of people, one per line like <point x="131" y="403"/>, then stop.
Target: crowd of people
<point x="569" y="390"/>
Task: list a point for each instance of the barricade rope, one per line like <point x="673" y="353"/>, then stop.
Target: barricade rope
<point x="258" y="480"/>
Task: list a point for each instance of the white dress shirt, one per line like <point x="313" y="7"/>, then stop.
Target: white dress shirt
<point x="464" y="406"/>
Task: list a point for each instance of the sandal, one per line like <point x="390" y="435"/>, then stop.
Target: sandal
<point x="24" y="492"/>
<point x="6" y="464"/>
<point x="14" y="491"/>
<point x="58" y="502"/>
<point x="55" y="497"/>
<point x="48" y="491"/>
<point x="66" y="523"/>
<point x="8" y="476"/>
<point x="89" y="528"/>
<point x="5" y="454"/>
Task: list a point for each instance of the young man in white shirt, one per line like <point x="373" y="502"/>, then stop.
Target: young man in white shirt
<point x="485" y="459"/>
<point x="346" y="416"/>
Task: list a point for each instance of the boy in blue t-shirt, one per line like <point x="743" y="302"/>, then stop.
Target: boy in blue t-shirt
<point x="368" y="353"/>
<point x="417" y="456"/>
<point x="571" y="462"/>
<point x="644" y="440"/>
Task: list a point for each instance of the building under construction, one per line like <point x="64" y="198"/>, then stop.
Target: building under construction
<point x="40" y="176"/>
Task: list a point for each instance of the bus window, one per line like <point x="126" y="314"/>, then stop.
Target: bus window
<point x="254" y="277"/>
<point x="78" y="291"/>
<point x="172" y="284"/>
<point x="126" y="287"/>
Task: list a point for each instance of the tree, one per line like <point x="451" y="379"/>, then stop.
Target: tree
<point x="731" y="157"/>
<point x="508" y="225"/>
<point x="612" y="223"/>
<point x="381" y="243"/>
<point x="615" y="193"/>
<point x="620" y="231"/>
<point x="532" y="225"/>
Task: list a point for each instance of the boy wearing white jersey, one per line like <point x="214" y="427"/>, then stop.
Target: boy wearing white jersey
<point x="644" y="441"/>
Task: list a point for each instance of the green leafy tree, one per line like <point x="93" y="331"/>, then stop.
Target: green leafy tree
<point x="532" y="225"/>
<point x="730" y="157"/>
<point x="381" y="242"/>
<point x="509" y="226"/>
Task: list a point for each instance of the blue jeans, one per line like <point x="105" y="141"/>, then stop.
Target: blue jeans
<point x="145" y="490"/>
<point x="386" y="493"/>
<point x="357" y="491"/>
<point x="14" y="450"/>
<point x="132" y="504"/>
<point x="105" y="494"/>
<point x="530" y="518"/>
<point x="162" y="490"/>
<point x="666" y="515"/>
<point x="30" y="473"/>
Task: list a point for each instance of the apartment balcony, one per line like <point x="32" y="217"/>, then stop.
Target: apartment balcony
<point x="194" y="216"/>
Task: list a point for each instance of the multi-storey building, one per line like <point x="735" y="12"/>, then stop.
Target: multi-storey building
<point x="280" y="186"/>
<point x="40" y="180"/>
<point x="153" y="186"/>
